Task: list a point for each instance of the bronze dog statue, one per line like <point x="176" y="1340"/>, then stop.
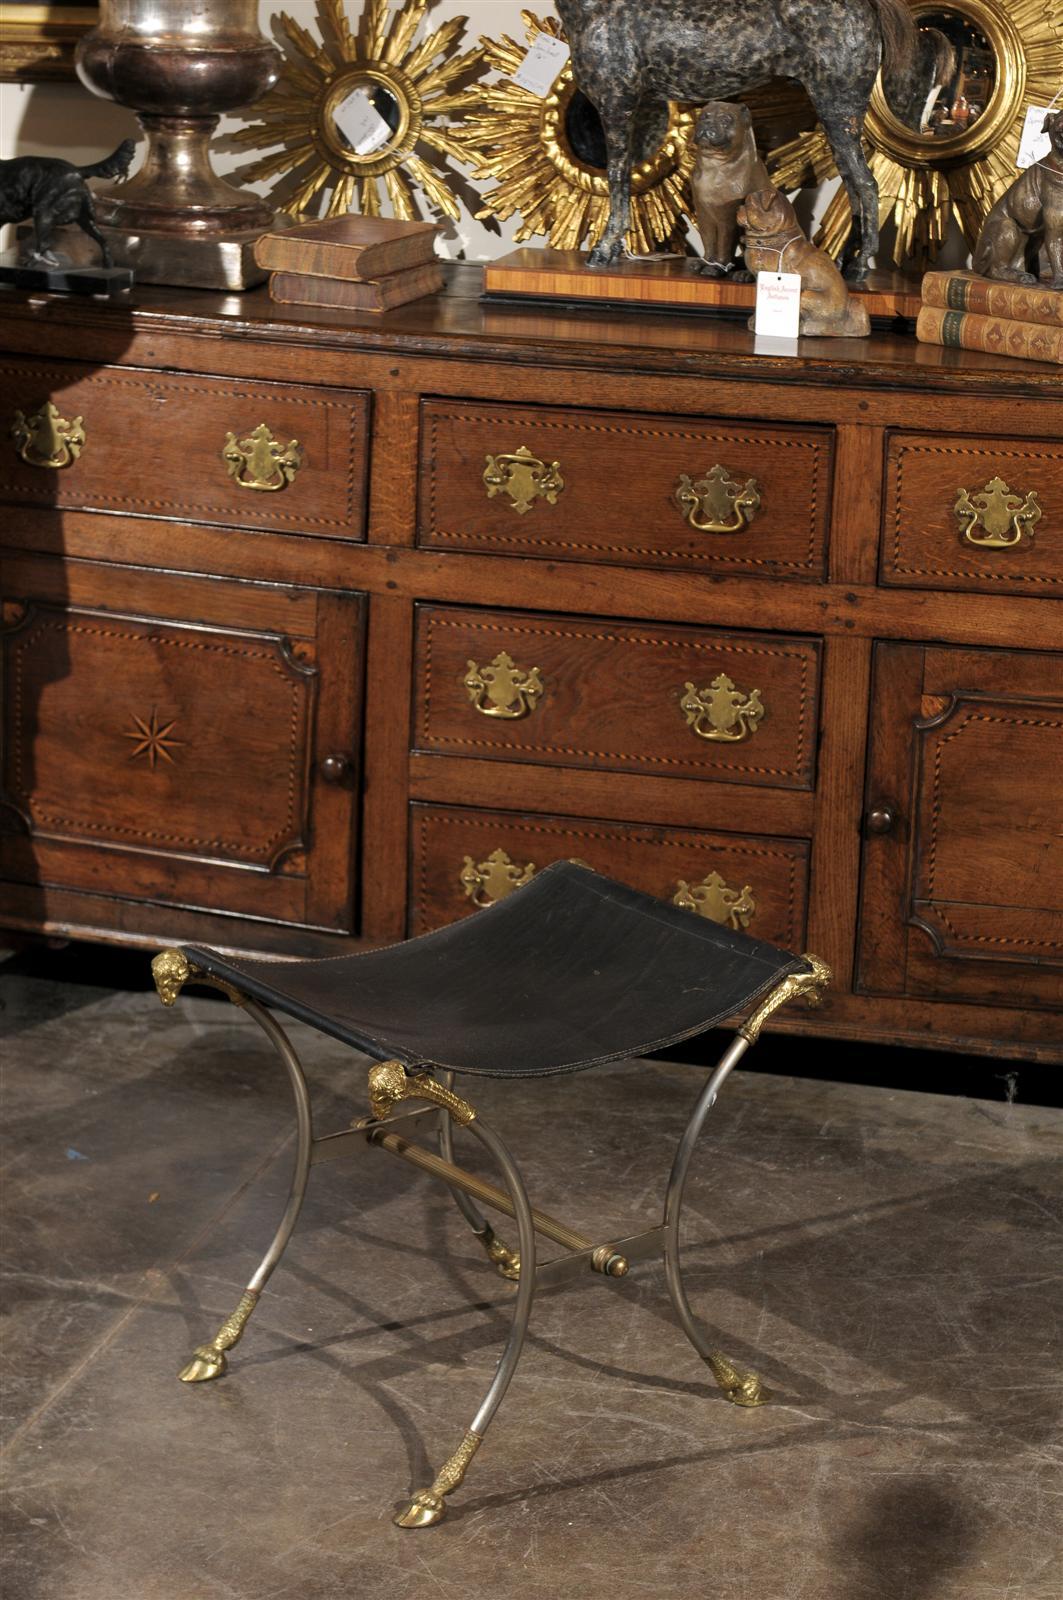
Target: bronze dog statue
<point x="1028" y="214"/>
<point x="54" y="194"/>
<point x="727" y="168"/>
<point x="774" y="242"/>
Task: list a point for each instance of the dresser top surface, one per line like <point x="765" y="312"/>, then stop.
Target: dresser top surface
<point x="459" y="325"/>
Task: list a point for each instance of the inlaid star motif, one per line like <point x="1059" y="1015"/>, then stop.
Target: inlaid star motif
<point x="153" y="741"/>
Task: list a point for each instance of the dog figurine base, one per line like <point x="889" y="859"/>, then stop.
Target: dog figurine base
<point x="774" y="242"/>
<point x="22" y="272"/>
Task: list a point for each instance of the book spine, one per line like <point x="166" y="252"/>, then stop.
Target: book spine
<point x="1015" y="302"/>
<point x="965" y="330"/>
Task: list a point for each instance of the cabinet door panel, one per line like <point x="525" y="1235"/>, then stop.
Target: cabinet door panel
<point x="164" y="738"/>
<point x="963" y="895"/>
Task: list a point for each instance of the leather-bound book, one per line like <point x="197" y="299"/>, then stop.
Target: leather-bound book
<point x="1017" y="302"/>
<point x="377" y="294"/>
<point x="965" y="330"/>
<point x="348" y="247"/>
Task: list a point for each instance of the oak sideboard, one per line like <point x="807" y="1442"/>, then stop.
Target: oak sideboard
<point x="326" y="629"/>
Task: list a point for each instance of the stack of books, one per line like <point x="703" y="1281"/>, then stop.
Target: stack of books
<point x="359" y="263"/>
<point x="1007" y="319"/>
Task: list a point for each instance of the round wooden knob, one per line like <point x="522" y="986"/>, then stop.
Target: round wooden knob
<point x="335" y="768"/>
<point x="880" y="818"/>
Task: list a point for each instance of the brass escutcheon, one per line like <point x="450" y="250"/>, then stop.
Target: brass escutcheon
<point x="487" y="882"/>
<point x="46" y="439"/>
<point x="711" y="898"/>
<point x="1006" y="518"/>
<point x="523" y="477"/>
<point x="503" y="689"/>
<point x="717" y="503"/>
<point x="721" y="713"/>
<point x="260" y="461"/>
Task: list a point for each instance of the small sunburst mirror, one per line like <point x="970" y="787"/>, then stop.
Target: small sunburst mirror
<point x="371" y="108"/>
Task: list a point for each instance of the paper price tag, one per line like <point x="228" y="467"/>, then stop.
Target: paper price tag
<point x="777" y="314"/>
<point x="361" y="123"/>
<point x="1034" y="145"/>
<point x="541" y="65"/>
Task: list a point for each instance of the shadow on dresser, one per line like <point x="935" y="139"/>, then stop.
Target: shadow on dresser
<point x="52" y="699"/>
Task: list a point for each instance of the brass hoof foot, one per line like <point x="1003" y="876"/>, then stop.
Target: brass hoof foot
<point x="750" y="1392"/>
<point x="205" y="1363"/>
<point x="423" y="1511"/>
<point x="505" y="1261"/>
<point x="741" y="1388"/>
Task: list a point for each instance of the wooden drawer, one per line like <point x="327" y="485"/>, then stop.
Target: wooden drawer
<point x="928" y="544"/>
<point x="165" y="740"/>
<point x="153" y="444"/>
<point x="612" y="495"/>
<point x="617" y="696"/>
<point x="464" y="859"/>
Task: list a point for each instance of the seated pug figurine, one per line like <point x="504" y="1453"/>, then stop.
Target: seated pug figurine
<point x="774" y="242"/>
<point x="727" y="167"/>
<point x="1026" y="215"/>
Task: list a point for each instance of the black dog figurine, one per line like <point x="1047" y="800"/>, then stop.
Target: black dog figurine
<point x="630" y="57"/>
<point x="54" y="193"/>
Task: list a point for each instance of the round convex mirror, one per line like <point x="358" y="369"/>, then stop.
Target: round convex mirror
<point x="364" y="119"/>
<point x="951" y="80"/>
<point x="584" y="132"/>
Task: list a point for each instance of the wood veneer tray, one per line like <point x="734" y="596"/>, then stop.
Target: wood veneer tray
<point x="667" y="284"/>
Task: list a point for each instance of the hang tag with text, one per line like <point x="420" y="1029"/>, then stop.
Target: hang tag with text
<point x="1034" y="145"/>
<point x="778" y="310"/>
<point x="541" y="65"/>
<point x="361" y="123"/>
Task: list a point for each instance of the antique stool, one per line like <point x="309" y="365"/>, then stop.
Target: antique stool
<point x="593" y="971"/>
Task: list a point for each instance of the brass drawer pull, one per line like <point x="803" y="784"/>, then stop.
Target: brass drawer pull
<point x="260" y="461"/>
<point x="712" y="898"/>
<point x="523" y="477"/>
<point x="486" y="882"/>
<point x="720" y="712"/>
<point x="502" y="689"/>
<point x="718" y="503"/>
<point x="1005" y="518"/>
<point x="46" y="439"/>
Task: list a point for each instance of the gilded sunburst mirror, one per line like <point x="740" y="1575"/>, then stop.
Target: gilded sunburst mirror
<point x="365" y="112"/>
<point x="949" y="148"/>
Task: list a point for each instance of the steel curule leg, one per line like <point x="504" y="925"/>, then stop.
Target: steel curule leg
<point x="506" y="1262"/>
<point x="428" y="1506"/>
<point x="742" y="1388"/>
<point x="209" y="1360"/>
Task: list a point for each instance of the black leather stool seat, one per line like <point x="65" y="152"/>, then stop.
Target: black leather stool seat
<point x="571" y="970"/>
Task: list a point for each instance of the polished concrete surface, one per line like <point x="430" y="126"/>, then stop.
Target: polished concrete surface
<point x="889" y="1261"/>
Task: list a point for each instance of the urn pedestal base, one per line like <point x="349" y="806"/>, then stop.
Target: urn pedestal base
<point x="221" y="261"/>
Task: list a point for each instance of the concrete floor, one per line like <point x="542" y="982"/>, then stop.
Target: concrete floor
<point x="889" y="1261"/>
